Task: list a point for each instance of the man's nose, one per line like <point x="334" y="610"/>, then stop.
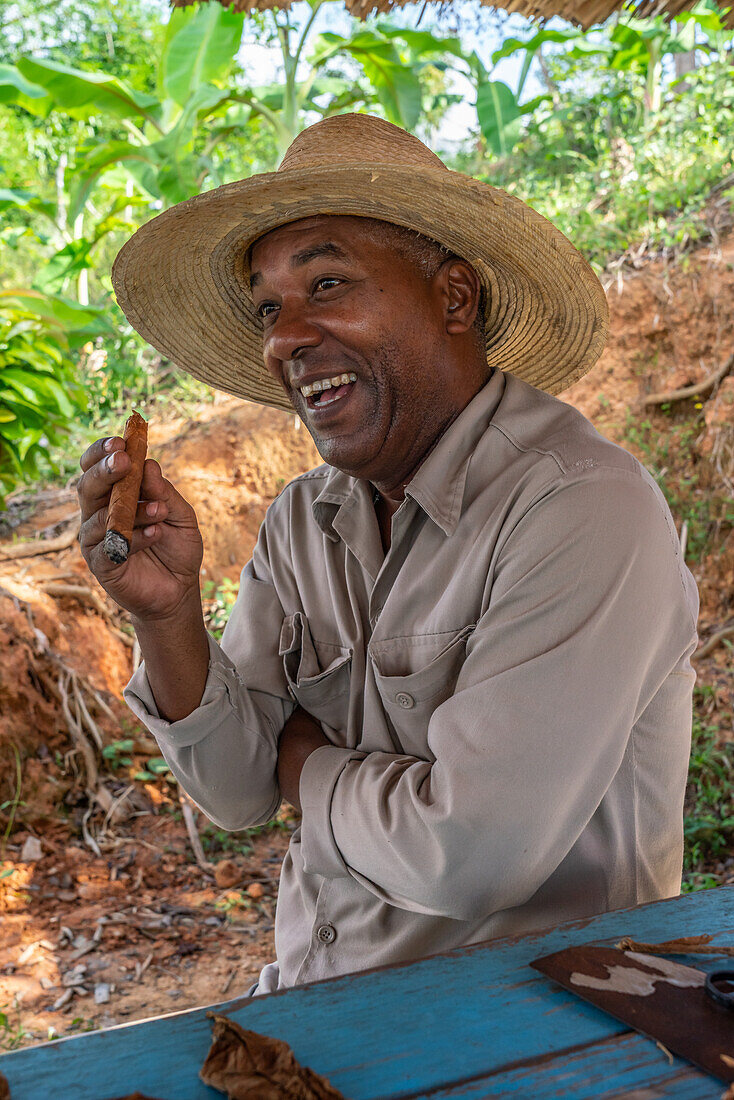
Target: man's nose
<point x="291" y="334"/>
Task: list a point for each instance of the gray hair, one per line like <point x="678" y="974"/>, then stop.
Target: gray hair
<point x="423" y="252"/>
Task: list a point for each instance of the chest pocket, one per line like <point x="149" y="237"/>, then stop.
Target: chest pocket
<point x="318" y="674"/>
<point x="410" y="699"/>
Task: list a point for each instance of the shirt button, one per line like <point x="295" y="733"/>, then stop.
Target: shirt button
<point x="404" y="700"/>
<point x="326" y="933"/>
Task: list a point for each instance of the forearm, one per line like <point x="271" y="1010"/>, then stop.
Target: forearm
<point x="176" y="655"/>
<point x="224" y="753"/>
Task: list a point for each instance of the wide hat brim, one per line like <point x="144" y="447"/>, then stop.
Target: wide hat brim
<point x="181" y="280"/>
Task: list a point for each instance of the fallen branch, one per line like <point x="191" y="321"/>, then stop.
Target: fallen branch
<point x="44" y="546"/>
<point x="711" y="644"/>
<point x="697" y="390"/>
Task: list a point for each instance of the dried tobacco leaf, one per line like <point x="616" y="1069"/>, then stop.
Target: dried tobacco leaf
<point x="248" y="1066"/>
<point x="4" y="1088"/>
<point x="684" y="945"/>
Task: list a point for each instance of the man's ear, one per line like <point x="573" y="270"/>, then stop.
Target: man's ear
<point x="462" y="293"/>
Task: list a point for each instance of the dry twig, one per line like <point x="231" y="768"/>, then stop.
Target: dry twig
<point x="193" y="833"/>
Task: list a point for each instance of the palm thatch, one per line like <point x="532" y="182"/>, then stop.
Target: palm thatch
<point x="584" y="13"/>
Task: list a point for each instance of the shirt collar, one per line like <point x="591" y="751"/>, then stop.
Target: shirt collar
<point x="438" y="484"/>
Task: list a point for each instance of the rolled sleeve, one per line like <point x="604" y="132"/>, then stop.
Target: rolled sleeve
<point x="215" y="706"/>
<point x="587" y="616"/>
<point x="319" y="776"/>
<point x="224" y="753"/>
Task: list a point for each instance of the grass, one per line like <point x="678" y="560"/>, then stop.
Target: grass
<point x="709" y="808"/>
<point x="218" y="841"/>
<point x="218" y="602"/>
<point x="12" y="1032"/>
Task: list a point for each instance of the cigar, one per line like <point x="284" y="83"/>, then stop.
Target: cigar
<point x="126" y="492"/>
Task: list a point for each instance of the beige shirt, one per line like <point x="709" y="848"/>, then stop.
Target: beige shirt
<point x="507" y="693"/>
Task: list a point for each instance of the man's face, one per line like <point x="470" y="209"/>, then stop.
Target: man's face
<point x="335" y="304"/>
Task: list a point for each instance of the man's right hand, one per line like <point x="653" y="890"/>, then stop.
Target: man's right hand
<point x="162" y="570"/>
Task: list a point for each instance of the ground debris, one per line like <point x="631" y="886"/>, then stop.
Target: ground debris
<point x="244" y="1065"/>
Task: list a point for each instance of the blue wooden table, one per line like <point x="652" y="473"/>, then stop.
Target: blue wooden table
<point x="470" y="1024"/>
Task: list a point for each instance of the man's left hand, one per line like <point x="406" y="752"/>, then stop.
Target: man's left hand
<point x="301" y="735"/>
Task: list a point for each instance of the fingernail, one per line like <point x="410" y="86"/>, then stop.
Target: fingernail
<point x="152" y="510"/>
<point x="108" y="444"/>
<point x="149" y="531"/>
<point x="110" y="462"/>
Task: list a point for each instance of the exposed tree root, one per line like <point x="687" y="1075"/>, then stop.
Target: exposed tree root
<point x="44" y="546"/>
<point x="697" y="390"/>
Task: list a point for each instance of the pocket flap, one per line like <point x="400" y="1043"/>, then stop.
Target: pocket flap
<point x="309" y="682"/>
<point x="436" y="678"/>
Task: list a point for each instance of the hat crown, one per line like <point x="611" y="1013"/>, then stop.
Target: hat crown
<point x="357" y="139"/>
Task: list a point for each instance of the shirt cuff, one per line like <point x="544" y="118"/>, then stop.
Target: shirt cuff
<point x="216" y="702"/>
<point x="319" y="776"/>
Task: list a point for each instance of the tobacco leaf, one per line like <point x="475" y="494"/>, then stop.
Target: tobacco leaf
<point x="249" y="1066"/>
<point x="684" y="945"/>
<point x="4" y="1088"/>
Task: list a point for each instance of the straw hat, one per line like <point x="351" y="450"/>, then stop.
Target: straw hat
<point x="182" y="278"/>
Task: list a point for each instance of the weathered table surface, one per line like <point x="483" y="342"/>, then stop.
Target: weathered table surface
<point x="470" y="1024"/>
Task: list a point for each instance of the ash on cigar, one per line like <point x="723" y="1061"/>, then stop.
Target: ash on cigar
<point x="116" y="547"/>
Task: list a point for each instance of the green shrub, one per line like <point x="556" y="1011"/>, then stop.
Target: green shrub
<point x="40" y="394"/>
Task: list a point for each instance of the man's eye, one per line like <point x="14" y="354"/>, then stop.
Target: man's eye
<point x="326" y="279"/>
<point x="264" y="308"/>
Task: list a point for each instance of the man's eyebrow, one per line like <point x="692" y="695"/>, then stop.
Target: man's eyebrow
<point x="326" y="248"/>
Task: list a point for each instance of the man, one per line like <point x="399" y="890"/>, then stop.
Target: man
<point x="462" y="646"/>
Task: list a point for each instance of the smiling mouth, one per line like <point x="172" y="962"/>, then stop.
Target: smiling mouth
<point x="327" y="391"/>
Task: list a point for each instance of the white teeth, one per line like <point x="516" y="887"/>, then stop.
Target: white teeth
<point x="327" y="384"/>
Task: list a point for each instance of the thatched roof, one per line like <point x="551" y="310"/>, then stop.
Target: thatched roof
<point x="585" y="13"/>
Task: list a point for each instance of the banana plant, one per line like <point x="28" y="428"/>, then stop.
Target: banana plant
<point x="158" y="149"/>
<point x="499" y="111"/>
<point x="394" y="60"/>
<point x="639" y="45"/>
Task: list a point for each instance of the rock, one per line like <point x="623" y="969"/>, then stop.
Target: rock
<point x="31" y="850"/>
<point x="227" y="873"/>
<point x="101" y="993"/>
